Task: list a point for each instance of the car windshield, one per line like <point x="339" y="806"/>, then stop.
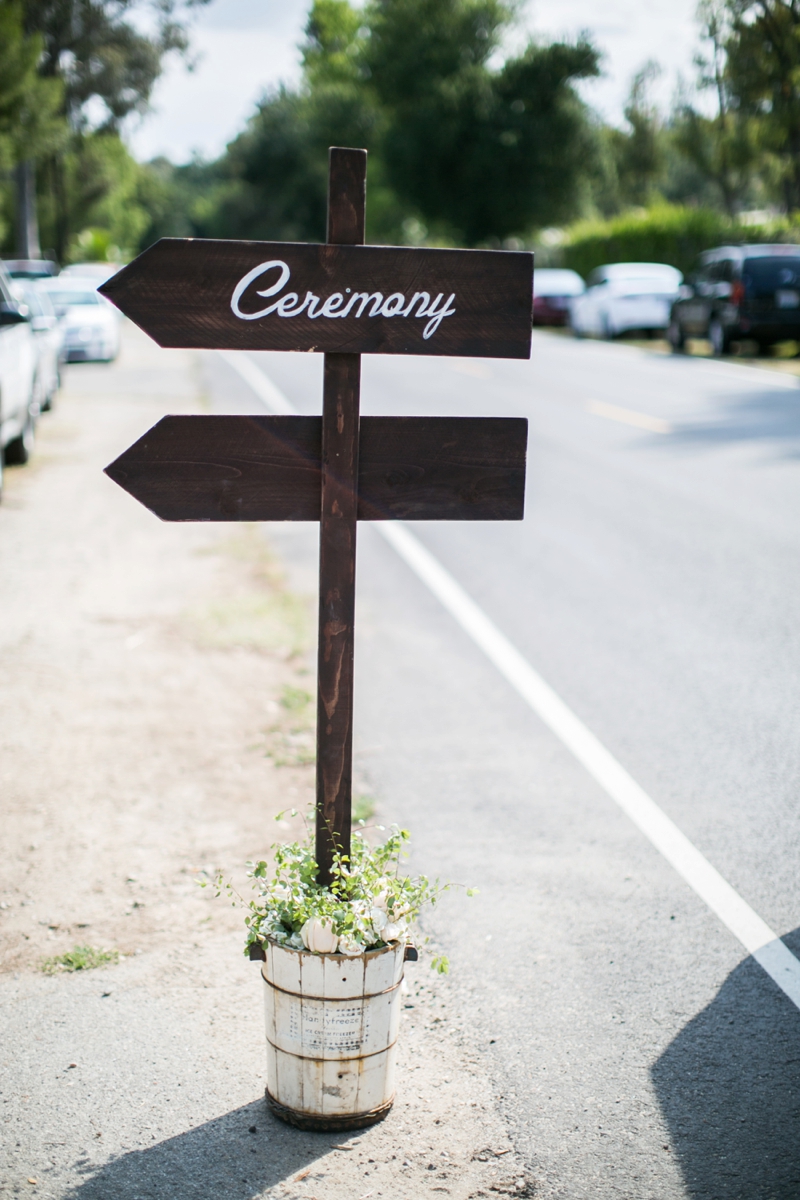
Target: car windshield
<point x="68" y="297"/>
<point x="763" y="276"/>
<point x="643" y="286"/>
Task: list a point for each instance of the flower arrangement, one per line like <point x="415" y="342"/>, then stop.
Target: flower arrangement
<point x="368" y="905"/>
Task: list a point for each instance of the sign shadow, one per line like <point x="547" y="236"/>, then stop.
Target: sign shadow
<point x="729" y="1090"/>
<point x="222" y="1158"/>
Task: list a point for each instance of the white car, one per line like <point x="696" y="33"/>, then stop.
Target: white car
<point x="91" y="323"/>
<point x="18" y="408"/>
<point x="48" y="333"/>
<point x="622" y="297"/>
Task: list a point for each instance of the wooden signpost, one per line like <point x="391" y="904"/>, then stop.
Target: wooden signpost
<point x="344" y="299"/>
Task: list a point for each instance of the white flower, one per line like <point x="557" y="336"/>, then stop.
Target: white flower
<point x="393" y="931"/>
<point x="280" y="892"/>
<point x="318" y="936"/>
<point x="378" y="918"/>
<point x="350" y="946"/>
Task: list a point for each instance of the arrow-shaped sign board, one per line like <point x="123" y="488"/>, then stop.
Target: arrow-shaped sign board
<point x="344" y="299"/>
<point x="350" y="299"/>
<point x="270" y="469"/>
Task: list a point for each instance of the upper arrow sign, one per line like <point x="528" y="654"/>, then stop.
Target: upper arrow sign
<point x="350" y="299"/>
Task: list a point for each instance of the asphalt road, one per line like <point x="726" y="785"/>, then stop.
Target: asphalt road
<point x="637" y="1049"/>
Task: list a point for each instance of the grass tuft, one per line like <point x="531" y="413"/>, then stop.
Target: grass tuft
<point x="80" y="958"/>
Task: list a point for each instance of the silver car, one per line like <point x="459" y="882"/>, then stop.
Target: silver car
<point x="49" y="334"/>
<point x="18" y="407"/>
<point x="91" y="324"/>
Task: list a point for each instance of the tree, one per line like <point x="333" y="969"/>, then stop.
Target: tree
<point x="639" y="151"/>
<point x="763" y="78"/>
<point x="484" y="152"/>
<point x="105" y="67"/>
<point x="30" y="124"/>
<point x="720" y="147"/>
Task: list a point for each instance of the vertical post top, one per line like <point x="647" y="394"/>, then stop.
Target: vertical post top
<point x="347" y="196"/>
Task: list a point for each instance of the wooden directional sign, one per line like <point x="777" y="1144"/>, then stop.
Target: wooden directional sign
<point x="357" y="299"/>
<point x="269" y="469"/>
<point x="344" y="299"/>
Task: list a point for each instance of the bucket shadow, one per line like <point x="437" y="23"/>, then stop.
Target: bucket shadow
<point x="220" y="1159"/>
<point x="729" y="1089"/>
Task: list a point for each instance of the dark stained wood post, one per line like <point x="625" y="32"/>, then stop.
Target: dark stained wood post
<point x="231" y="295"/>
<point x="337" y="540"/>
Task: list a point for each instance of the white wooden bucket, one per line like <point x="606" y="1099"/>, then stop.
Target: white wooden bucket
<point x="332" y="1025"/>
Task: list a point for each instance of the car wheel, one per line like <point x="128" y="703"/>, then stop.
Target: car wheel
<point x="676" y="337"/>
<point x="19" y="449"/>
<point x="717" y="335"/>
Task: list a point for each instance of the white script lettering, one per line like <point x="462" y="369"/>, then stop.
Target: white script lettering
<point x="335" y="305"/>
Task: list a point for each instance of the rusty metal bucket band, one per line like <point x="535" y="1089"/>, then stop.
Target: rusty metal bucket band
<point x="329" y="999"/>
<point x="315" y="1123"/>
<point x="312" y="1058"/>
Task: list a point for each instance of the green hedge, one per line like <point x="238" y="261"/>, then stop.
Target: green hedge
<point x="667" y="234"/>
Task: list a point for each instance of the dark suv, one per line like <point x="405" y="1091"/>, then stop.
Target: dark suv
<point x="737" y="293"/>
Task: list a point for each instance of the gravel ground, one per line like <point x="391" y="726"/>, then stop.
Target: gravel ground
<point x="153" y="720"/>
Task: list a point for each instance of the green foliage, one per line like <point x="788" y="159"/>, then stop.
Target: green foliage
<point x="460" y="151"/>
<point x="639" y="152"/>
<point x="89" y="202"/>
<point x="30" y="123"/>
<point x="763" y="77"/>
<point x="481" y="153"/>
<point x="100" y="54"/>
<point x="665" y="233"/>
<point x="369" y="904"/>
<point x="80" y="958"/>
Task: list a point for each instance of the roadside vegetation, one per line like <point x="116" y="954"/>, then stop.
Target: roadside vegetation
<point x="469" y="144"/>
<point x="81" y="958"/>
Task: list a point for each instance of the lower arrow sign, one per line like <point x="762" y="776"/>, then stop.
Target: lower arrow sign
<point x="268" y="468"/>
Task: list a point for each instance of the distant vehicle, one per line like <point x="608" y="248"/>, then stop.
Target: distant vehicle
<point x="91" y="324"/>
<point x="737" y="293"/>
<point x="30" y="268"/>
<point x="553" y="290"/>
<point x="98" y="271"/>
<point x="48" y="332"/>
<point x="18" y="409"/>
<point x="622" y="297"/>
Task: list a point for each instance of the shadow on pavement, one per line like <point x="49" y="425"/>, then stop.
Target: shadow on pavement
<point x="729" y="1088"/>
<point x="220" y="1159"/>
<point x="769" y="415"/>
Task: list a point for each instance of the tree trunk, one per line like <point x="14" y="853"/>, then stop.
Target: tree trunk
<point x="27" y="223"/>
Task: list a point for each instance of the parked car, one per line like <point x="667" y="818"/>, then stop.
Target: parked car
<point x="737" y="293"/>
<point x="49" y="334"/>
<point x="18" y="410"/>
<point x="30" y="268"/>
<point x="98" y="271"/>
<point x="622" y="297"/>
<point x="553" y="291"/>
<point x="91" y="323"/>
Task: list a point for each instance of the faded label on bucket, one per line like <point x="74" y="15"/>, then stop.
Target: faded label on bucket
<point x="328" y="1027"/>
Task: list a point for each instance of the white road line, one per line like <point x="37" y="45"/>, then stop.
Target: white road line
<point x="735" y="913"/>
<point x="628" y="416"/>
<point x="261" y="384"/>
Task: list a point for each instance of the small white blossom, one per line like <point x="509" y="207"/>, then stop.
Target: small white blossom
<point x="318" y="936"/>
<point x="350" y="946"/>
<point x="378" y="918"/>
<point x="393" y="931"/>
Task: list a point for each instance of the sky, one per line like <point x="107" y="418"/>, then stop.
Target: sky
<point x="246" y="47"/>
